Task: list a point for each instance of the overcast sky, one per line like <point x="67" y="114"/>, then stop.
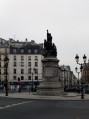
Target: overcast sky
<point x="66" y="20"/>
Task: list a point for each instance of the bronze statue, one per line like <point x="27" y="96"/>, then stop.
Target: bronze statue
<point x="49" y="47"/>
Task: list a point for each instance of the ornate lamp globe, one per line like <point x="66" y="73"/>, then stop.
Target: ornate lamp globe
<point x="77" y="58"/>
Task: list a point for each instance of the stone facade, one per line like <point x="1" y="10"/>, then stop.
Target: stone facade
<point x="24" y="61"/>
<point x="66" y="76"/>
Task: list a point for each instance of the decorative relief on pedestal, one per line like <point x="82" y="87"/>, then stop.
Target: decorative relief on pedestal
<point x="56" y="72"/>
<point x="50" y="72"/>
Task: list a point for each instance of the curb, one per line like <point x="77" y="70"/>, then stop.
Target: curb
<point x="47" y="98"/>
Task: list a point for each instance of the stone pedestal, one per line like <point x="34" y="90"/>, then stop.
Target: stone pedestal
<point x="50" y="84"/>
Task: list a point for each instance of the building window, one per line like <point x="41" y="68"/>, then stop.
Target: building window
<point x="29" y="50"/>
<point x="29" y="77"/>
<point x="14" y="77"/>
<point x="22" y="71"/>
<point x="0" y="64"/>
<point x="22" y="64"/>
<point x="5" y="78"/>
<point x="36" y="71"/>
<point x="14" y="71"/>
<point x="14" y="57"/>
<point x="0" y="71"/>
<point x="22" y="77"/>
<point x="5" y="50"/>
<point x="35" y="50"/>
<point x="14" y="50"/>
<point x="5" y="71"/>
<point x="29" y="64"/>
<point x="22" y="50"/>
<point x="0" y="78"/>
<point x="14" y="64"/>
<point x="29" y="71"/>
<point x="36" y="57"/>
<point x="0" y="57"/>
<point x="22" y="57"/>
<point x="36" y="64"/>
<point x="36" y="77"/>
<point x="29" y="57"/>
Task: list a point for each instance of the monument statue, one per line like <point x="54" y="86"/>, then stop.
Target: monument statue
<point x="49" y="47"/>
<point x="50" y="84"/>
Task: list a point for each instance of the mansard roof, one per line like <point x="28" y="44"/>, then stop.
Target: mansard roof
<point x="34" y="48"/>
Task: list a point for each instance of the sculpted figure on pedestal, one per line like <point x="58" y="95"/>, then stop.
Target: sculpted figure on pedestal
<point x="49" y="47"/>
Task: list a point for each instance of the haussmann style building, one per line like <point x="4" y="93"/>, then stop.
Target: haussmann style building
<point x="24" y="62"/>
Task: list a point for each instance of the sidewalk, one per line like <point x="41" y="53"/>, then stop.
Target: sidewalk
<point x="26" y="95"/>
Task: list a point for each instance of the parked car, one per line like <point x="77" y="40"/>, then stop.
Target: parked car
<point x="73" y="89"/>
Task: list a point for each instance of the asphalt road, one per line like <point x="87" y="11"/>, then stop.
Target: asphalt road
<point x="43" y="109"/>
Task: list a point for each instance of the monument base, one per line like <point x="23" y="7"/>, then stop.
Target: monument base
<point x="50" y="85"/>
<point x="50" y="89"/>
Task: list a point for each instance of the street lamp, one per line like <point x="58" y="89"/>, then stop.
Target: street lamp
<point x="32" y="79"/>
<point x="84" y="59"/>
<point x="6" y="61"/>
<point x="32" y="82"/>
<point x="81" y="68"/>
<point x="19" y="83"/>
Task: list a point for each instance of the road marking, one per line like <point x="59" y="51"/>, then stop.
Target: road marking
<point x="8" y="106"/>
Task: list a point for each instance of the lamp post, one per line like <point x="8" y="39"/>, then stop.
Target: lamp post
<point x="19" y="83"/>
<point x="6" y="60"/>
<point x="81" y="68"/>
<point x="32" y="79"/>
<point x="85" y="72"/>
